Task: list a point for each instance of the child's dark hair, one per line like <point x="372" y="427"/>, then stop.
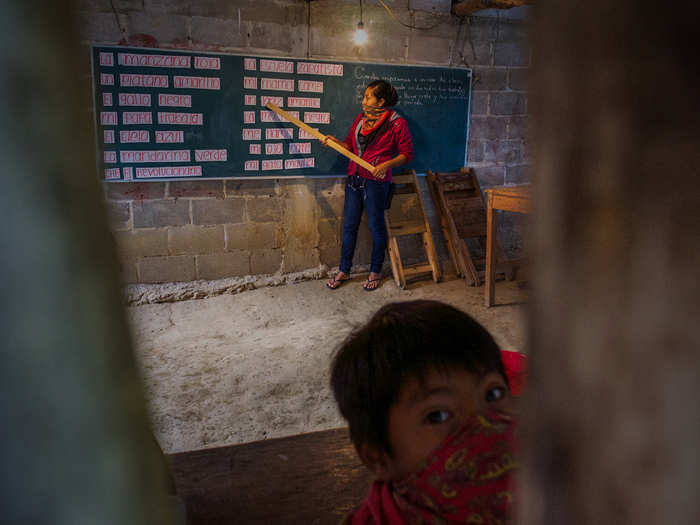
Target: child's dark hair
<point x="401" y="341"/>
<point x="382" y="89"/>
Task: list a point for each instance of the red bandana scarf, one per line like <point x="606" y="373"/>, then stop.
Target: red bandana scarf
<point x="371" y="121"/>
<point x="468" y="479"/>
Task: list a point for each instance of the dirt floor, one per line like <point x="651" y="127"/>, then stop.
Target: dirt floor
<point x="249" y="366"/>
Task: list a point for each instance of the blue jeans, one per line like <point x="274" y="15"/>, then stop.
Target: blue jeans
<point x="372" y="196"/>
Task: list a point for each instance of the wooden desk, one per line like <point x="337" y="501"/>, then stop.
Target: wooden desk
<point x="513" y="198"/>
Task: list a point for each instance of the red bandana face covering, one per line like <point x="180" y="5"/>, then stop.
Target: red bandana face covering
<point x="370" y="124"/>
<point x="467" y="479"/>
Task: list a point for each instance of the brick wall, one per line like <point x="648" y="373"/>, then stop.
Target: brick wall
<point x="180" y="231"/>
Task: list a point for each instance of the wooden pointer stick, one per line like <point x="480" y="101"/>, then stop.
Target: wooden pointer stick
<point x="320" y="136"/>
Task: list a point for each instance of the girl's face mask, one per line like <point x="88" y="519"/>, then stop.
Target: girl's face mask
<point x="371" y="106"/>
<point x="373" y="111"/>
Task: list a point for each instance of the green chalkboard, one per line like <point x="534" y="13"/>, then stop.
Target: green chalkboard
<point x="164" y="114"/>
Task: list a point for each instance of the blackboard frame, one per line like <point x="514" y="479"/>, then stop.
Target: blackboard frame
<point x="240" y="175"/>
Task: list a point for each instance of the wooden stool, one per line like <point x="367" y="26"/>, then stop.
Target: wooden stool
<point x="415" y="224"/>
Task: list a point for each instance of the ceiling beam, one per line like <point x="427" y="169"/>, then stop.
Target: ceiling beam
<point x="467" y="7"/>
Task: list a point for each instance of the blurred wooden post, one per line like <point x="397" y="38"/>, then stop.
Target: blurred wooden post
<point x="76" y="448"/>
<point x="613" y="424"/>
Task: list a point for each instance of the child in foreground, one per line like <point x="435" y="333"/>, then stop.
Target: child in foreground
<point x="427" y="400"/>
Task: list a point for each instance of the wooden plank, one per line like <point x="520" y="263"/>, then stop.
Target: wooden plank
<point x="509" y="202"/>
<point x="460" y="248"/>
<point x="432" y="255"/>
<point x="428" y="235"/>
<point x="461" y="186"/>
<point x="462" y="251"/>
<point x="322" y="138"/>
<point x="407" y="228"/>
<point x="399" y="265"/>
<point x="469" y="263"/>
<point x="309" y="478"/>
<point x="430" y="176"/>
<point x="523" y="190"/>
<point x="416" y="269"/>
<point x="489" y="291"/>
<point x="392" y="253"/>
<point x="467" y="203"/>
<point x="478" y="217"/>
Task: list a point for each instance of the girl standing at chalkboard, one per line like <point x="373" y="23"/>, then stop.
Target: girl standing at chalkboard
<point x="380" y="136"/>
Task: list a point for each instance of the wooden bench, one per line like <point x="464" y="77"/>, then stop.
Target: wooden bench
<point x="313" y="478"/>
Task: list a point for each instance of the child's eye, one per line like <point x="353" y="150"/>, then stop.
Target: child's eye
<point x="438" y="416"/>
<point x="495" y="394"/>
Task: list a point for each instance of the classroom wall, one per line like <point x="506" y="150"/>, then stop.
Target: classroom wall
<point x="181" y="231"/>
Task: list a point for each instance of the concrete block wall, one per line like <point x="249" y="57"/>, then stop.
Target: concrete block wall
<point x="185" y="230"/>
<point x="182" y="231"/>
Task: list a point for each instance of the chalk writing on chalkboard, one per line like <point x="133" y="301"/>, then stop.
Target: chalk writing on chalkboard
<point x="163" y="114"/>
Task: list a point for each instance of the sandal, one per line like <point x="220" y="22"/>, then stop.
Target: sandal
<point x="367" y="284"/>
<point x="335" y="283"/>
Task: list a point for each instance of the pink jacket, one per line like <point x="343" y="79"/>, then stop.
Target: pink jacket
<point x="396" y="140"/>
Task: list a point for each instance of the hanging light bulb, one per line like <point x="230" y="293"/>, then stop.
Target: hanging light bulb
<point x="360" y="36"/>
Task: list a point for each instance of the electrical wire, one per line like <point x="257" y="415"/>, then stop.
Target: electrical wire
<point x="308" y="28"/>
<point x="460" y="48"/>
<point x="116" y="17"/>
<point x="402" y="23"/>
<point x="455" y="50"/>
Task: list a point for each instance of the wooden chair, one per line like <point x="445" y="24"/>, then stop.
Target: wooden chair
<point x="460" y="204"/>
<point x="409" y="219"/>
